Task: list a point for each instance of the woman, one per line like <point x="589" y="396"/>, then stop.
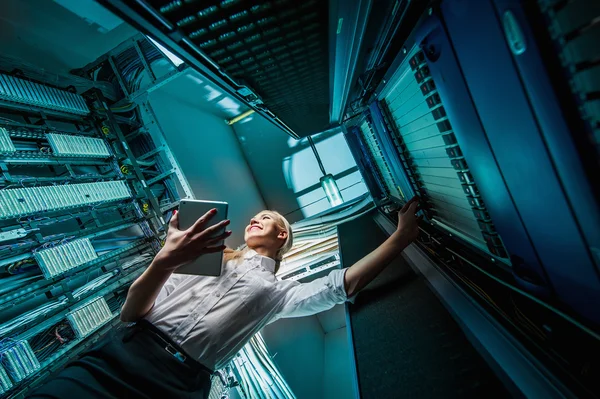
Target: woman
<point x="188" y="326"/>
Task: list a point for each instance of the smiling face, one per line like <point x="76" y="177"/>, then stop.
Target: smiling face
<point x="266" y="230"/>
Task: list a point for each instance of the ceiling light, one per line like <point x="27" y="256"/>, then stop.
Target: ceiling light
<point x="240" y="117"/>
<point x="332" y="192"/>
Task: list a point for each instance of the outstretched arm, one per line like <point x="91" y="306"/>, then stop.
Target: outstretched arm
<point x="305" y="299"/>
<point x="365" y="270"/>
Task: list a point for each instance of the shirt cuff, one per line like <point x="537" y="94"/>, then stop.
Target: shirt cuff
<point x="336" y="279"/>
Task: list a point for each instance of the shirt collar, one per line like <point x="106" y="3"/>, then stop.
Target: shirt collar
<point x="265" y="261"/>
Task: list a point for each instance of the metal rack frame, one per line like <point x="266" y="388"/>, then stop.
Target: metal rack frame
<point x="140" y="98"/>
<point x="31" y="125"/>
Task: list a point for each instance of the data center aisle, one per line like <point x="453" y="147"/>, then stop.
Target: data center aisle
<point x="406" y="343"/>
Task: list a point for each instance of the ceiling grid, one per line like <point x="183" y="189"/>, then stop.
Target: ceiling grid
<point x="278" y="48"/>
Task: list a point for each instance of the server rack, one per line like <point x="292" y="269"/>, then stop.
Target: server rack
<point x="76" y="177"/>
<point x="476" y="127"/>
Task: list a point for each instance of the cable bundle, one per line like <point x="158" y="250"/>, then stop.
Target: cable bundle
<point x="137" y="260"/>
<point x="26" y="318"/>
<point x="94" y="284"/>
<point x="49" y="307"/>
<point x="130" y="66"/>
<point x="50" y="340"/>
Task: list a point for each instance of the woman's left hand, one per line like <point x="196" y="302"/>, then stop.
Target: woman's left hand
<point x="408" y="221"/>
<point x="183" y="246"/>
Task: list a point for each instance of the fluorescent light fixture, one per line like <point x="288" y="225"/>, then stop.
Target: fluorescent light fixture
<point x="240" y="117"/>
<point x="174" y="59"/>
<point x="332" y="192"/>
<point x="339" y="28"/>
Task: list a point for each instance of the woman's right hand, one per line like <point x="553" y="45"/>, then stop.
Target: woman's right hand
<point x="184" y="246"/>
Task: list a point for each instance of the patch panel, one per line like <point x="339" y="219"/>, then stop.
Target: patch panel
<point x="22" y="91"/>
<point x="23" y="201"/>
<point x="383" y="169"/>
<point x="67" y="145"/>
<point x="57" y="260"/>
<point x="5" y="382"/>
<point x="90" y="316"/>
<point x="19" y="360"/>
<point x="6" y="144"/>
<point x="74" y="185"/>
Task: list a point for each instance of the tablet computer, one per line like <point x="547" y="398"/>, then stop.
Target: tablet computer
<point x="189" y="212"/>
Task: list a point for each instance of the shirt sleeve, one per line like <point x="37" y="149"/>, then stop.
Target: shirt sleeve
<point x="306" y="299"/>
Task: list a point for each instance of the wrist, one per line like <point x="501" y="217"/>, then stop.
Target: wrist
<point x="162" y="264"/>
<point x="400" y="239"/>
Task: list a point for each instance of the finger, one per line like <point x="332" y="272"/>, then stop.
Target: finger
<point x="210" y="250"/>
<point x="412" y="209"/>
<point x="197" y="226"/>
<point x="209" y="231"/>
<point x="409" y="203"/>
<point x="174" y="222"/>
<point x="215" y="240"/>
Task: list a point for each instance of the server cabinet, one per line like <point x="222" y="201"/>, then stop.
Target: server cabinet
<point x="482" y="139"/>
<point x="531" y="146"/>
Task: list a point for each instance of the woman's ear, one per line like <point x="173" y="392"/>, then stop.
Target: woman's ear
<point x="283" y="234"/>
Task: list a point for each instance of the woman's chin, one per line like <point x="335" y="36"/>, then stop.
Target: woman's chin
<point x="253" y="241"/>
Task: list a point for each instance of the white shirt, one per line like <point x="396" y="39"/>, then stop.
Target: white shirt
<point x="212" y="318"/>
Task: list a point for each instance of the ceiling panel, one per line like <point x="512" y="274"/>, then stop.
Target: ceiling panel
<point x="279" y="48"/>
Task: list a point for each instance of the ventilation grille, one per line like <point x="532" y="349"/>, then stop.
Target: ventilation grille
<point x="6" y="144"/>
<point x="89" y="317"/>
<point x="5" y="382"/>
<point x="23" y="201"/>
<point x="279" y="48"/>
<point x="65" y="145"/>
<point x="432" y="156"/>
<point x="29" y="93"/>
<point x="575" y="27"/>
<point x="57" y="260"/>
<point x="19" y="360"/>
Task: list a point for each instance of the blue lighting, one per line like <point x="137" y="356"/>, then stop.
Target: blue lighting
<point x="331" y="190"/>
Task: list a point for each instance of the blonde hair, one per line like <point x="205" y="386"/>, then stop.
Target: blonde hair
<point x="231" y="254"/>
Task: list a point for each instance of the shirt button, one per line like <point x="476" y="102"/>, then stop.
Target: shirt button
<point x="195" y="315"/>
<point x="234" y="275"/>
<point x="218" y="294"/>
